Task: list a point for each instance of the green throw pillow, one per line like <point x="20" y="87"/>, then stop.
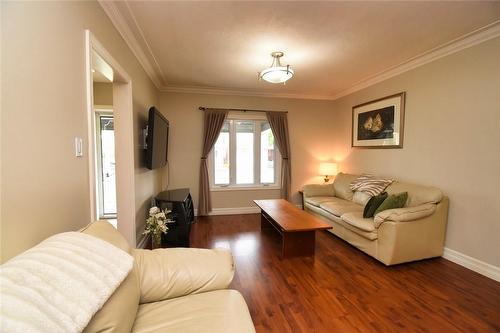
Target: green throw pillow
<point x="393" y="201"/>
<point x="373" y="203"/>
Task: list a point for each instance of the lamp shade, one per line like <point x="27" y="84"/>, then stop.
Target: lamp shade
<point x="276" y="73"/>
<point x="328" y="169"/>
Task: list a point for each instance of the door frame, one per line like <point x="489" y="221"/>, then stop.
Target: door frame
<point x="124" y="139"/>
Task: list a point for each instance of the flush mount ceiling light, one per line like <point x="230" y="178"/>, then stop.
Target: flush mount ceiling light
<point x="276" y="73"/>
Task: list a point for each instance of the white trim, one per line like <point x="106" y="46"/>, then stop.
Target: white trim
<point x="240" y="92"/>
<point x="458" y="44"/>
<point x="257" y="185"/>
<point x="103" y="107"/>
<point x="124" y="21"/>
<point x="471" y="263"/>
<point x="231" y="211"/>
<point x="124" y="139"/>
<point x="244" y="188"/>
<point x="235" y="210"/>
<point x="90" y="125"/>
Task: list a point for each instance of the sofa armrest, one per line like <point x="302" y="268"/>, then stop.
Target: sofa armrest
<point x="169" y="273"/>
<point x="404" y="214"/>
<point x="318" y="190"/>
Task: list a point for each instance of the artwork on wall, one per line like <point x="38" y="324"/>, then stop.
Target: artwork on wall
<point x="379" y="123"/>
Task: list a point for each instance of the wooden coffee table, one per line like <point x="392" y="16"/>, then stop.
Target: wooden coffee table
<point x="296" y="227"/>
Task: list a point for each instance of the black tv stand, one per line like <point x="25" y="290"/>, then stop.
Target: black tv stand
<point x="179" y="201"/>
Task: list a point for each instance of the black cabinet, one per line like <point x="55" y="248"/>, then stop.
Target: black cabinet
<point x="179" y="201"/>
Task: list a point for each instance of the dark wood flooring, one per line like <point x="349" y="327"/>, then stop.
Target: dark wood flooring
<point x="343" y="290"/>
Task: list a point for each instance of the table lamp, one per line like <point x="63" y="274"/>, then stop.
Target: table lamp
<point x="328" y="169"/>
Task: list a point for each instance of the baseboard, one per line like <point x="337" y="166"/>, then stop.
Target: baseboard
<point x="232" y="211"/>
<point x="473" y="264"/>
<point x="235" y="210"/>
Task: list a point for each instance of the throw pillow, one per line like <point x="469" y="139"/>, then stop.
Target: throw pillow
<point x="373" y="204"/>
<point x="356" y="183"/>
<point x="393" y="201"/>
<point x="361" y="198"/>
<point x="370" y="185"/>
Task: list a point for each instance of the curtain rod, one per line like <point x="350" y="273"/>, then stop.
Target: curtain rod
<point x="202" y="108"/>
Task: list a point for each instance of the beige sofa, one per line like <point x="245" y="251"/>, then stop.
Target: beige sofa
<point x="394" y="236"/>
<point x="171" y="290"/>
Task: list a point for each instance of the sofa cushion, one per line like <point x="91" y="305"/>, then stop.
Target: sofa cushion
<point x="342" y="183"/>
<point x="317" y="201"/>
<point x="404" y="214"/>
<point x="105" y="231"/>
<point x="318" y="190"/>
<point x="215" y="311"/>
<point x="118" y="313"/>
<point x="169" y="273"/>
<point x="356" y="223"/>
<point x="357" y="220"/>
<point x="338" y="207"/>
<point x="417" y="194"/>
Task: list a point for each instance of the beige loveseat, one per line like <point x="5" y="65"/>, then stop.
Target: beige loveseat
<point x="171" y="290"/>
<point x="394" y="236"/>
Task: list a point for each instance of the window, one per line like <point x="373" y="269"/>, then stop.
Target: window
<point x="106" y="178"/>
<point x="244" y="155"/>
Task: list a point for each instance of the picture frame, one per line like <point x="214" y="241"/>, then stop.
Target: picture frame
<point x="379" y="123"/>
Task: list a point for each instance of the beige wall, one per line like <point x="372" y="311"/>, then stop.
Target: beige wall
<point x="103" y="93"/>
<point x="452" y="137"/>
<point x="44" y="186"/>
<point x="310" y="129"/>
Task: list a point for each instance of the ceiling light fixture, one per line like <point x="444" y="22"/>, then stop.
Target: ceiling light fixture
<point x="276" y="73"/>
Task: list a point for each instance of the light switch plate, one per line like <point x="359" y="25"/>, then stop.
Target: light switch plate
<point x="78" y="147"/>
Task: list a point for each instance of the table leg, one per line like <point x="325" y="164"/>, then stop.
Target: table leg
<point x="297" y="244"/>
<point x="264" y="222"/>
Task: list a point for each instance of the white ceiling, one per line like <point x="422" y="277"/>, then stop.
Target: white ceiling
<point x="332" y="46"/>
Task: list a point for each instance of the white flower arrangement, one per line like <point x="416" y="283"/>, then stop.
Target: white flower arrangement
<point x="156" y="224"/>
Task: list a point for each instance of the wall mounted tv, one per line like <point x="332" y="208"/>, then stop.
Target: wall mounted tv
<point x="156" y="140"/>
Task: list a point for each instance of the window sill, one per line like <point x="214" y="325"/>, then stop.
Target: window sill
<point x="244" y="188"/>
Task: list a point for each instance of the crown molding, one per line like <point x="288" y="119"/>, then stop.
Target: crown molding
<point x="240" y="92"/>
<point x="124" y="21"/>
<point x="463" y="42"/>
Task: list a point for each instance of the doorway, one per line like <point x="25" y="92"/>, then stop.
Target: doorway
<point x="104" y="142"/>
<point x="110" y="140"/>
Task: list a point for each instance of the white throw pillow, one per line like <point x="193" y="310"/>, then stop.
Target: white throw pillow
<point x="361" y="198"/>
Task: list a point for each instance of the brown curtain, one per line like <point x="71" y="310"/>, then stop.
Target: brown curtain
<point x="279" y="126"/>
<point x="214" y="120"/>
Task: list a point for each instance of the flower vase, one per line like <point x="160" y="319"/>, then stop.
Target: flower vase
<point x="156" y="241"/>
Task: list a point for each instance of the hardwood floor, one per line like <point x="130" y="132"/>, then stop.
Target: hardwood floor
<point x="343" y="290"/>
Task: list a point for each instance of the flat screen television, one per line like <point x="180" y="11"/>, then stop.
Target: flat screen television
<point x="156" y="140"/>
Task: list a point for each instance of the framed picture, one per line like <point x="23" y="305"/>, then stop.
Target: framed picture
<point x="379" y="123"/>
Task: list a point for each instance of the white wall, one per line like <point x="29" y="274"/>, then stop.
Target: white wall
<point x="452" y="138"/>
<point x="44" y="186"/>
